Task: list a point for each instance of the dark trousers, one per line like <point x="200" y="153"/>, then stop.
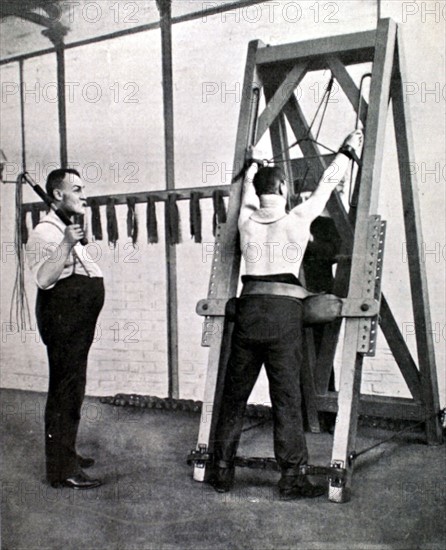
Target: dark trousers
<point x="268" y="330"/>
<point x="66" y="317"/>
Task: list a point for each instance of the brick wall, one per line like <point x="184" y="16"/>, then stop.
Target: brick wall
<point x="130" y="352"/>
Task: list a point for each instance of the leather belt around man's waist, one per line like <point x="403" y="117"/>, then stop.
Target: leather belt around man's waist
<point x="275" y="289"/>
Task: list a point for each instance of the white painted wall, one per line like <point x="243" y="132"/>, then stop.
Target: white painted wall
<point x="116" y="136"/>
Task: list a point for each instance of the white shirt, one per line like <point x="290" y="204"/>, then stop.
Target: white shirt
<point x="45" y="238"/>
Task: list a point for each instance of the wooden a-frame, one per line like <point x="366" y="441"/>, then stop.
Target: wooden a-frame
<point x="277" y="71"/>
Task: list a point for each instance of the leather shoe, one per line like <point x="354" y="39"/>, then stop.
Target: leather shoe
<point x="295" y="487"/>
<point x="223" y="479"/>
<point x="77" y="481"/>
<point x="85" y="462"/>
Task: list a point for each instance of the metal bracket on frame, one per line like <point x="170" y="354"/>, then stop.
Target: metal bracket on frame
<point x="372" y="277"/>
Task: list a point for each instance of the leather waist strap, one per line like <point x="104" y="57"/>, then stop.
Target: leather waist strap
<point x="275" y="289"/>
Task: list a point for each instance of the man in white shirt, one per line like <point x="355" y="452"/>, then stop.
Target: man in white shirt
<point x="268" y="323"/>
<point x="70" y="297"/>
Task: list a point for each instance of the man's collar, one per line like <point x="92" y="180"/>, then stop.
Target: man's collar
<point x="272" y="209"/>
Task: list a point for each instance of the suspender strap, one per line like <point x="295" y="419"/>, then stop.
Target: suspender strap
<point x="74" y="252"/>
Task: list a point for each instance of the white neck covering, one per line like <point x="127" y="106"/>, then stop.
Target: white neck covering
<point x="272" y="209"/>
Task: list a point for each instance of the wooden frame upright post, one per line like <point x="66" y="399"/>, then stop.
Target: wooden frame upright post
<point x="414" y="237"/>
<point x="226" y="261"/>
<point x="350" y="377"/>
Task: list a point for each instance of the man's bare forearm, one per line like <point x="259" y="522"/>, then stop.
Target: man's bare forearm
<point x="249" y="197"/>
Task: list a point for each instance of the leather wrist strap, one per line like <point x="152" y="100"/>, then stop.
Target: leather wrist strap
<point x="349" y="152"/>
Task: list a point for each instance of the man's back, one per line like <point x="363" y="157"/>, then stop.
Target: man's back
<point x="274" y="247"/>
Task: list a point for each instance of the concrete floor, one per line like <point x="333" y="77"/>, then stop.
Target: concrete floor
<point x="149" y="500"/>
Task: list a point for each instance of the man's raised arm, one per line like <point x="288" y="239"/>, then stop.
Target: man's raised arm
<point x="249" y="200"/>
<point x="333" y="176"/>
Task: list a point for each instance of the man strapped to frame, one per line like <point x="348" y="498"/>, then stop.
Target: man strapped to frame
<point x="268" y="323"/>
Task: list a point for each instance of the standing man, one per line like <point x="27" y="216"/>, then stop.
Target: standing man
<point x="268" y="324"/>
<point x="69" y="298"/>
